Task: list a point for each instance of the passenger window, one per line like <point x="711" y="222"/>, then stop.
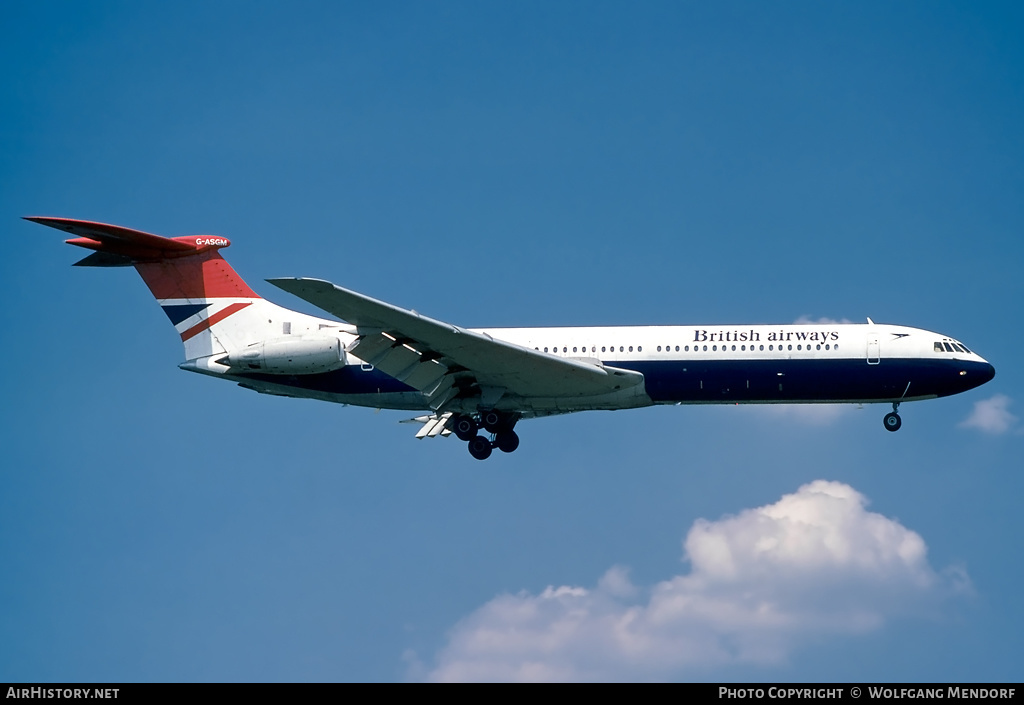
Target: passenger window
<point x="545" y="349"/>
<point x="621" y="349"/>
<point x="760" y="347"/>
<point x="602" y="348"/>
<point x="639" y="348"/>
<point x="734" y="347"/>
<point x="687" y="348"/>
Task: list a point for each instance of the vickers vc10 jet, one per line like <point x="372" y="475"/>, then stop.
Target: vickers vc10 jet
<point x="478" y="383"/>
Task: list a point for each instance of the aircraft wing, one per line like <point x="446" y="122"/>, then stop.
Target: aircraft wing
<point x="441" y="359"/>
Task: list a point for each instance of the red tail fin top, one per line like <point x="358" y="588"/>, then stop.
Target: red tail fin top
<point x="188" y="267"/>
<point x="135" y="244"/>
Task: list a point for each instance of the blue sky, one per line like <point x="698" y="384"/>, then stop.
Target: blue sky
<point x="512" y="164"/>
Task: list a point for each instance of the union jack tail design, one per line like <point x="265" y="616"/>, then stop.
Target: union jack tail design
<point x="211" y="307"/>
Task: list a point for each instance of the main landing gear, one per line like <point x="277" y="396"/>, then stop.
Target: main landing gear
<point x="892" y="421"/>
<point x="499" y="425"/>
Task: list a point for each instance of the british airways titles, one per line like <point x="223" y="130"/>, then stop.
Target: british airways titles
<point x="753" y="336"/>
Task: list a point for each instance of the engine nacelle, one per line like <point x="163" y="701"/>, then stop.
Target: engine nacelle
<point x="291" y="355"/>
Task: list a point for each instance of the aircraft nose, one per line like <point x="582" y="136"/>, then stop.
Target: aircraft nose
<point x="977" y="374"/>
<point x="987" y="372"/>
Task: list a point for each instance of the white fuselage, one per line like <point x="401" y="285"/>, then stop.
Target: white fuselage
<point x="795" y="363"/>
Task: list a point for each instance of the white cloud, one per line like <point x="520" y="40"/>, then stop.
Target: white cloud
<point x="991" y="415"/>
<point x="761" y="584"/>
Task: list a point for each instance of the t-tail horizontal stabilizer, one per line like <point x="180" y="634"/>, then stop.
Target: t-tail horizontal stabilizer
<point x="118" y="247"/>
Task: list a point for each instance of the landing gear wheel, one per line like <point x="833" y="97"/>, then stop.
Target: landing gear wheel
<point x="464" y="428"/>
<point x="892" y="421"/>
<point x="492" y="421"/>
<point x="507" y="441"/>
<point x="480" y="448"/>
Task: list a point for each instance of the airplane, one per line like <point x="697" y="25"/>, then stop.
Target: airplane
<point x="479" y="383"/>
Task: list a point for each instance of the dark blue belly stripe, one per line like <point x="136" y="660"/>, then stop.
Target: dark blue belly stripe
<point x="803" y="380"/>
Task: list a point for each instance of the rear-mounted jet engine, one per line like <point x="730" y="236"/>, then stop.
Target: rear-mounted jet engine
<point x="293" y="355"/>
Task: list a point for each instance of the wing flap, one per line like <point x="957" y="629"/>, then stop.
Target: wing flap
<point x="396" y="359"/>
<point x="423" y="375"/>
<point x="399" y="360"/>
<point x="370" y="347"/>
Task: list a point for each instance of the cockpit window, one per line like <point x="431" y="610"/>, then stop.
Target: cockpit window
<point x="952" y="347"/>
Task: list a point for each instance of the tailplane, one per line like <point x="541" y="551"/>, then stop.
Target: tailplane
<point x="211" y="307"/>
